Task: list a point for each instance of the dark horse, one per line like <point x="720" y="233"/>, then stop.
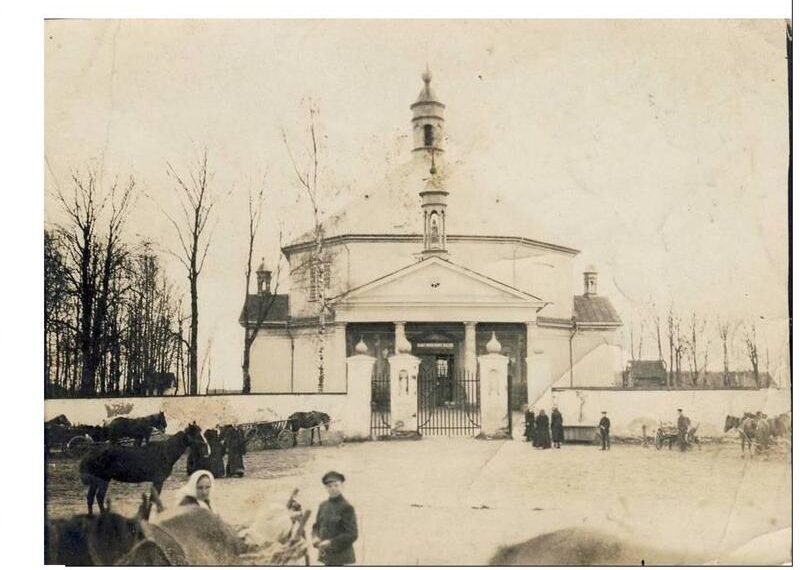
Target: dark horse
<point x="152" y="463"/>
<point x="91" y="541"/>
<point x="749" y="429"/>
<point x="139" y="429"/>
<point x="308" y="420"/>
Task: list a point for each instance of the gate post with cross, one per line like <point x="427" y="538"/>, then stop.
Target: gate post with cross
<point x="493" y="368"/>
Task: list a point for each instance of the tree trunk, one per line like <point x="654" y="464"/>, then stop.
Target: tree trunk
<point x="193" y="338"/>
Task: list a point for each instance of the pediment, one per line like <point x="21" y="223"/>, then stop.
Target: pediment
<point x="436" y="282"/>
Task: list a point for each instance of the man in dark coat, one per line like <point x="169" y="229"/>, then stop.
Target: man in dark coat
<point x="605" y="432"/>
<point x="683" y="430"/>
<point x="235" y="448"/>
<point x="543" y="430"/>
<point x="336" y="529"/>
<point x="557" y="427"/>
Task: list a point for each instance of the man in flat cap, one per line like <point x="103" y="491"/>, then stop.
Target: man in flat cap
<point x="335" y="530"/>
<point x="605" y="431"/>
<point x="683" y="430"/>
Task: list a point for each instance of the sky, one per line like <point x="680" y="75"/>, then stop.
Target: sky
<point x="658" y="148"/>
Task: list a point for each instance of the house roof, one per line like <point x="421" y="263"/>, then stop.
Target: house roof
<point x="278" y="311"/>
<point x="647" y="369"/>
<point x="591" y="309"/>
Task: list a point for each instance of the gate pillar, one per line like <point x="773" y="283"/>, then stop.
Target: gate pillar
<point x="403" y="370"/>
<point x="494" y="390"/>
<point x="359" y="393"/>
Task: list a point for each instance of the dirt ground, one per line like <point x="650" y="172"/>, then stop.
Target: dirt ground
<point x="454" y="501"/>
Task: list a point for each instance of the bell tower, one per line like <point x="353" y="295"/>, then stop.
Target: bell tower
<point x="427" y="119"/>
<point x="434" y="206"/>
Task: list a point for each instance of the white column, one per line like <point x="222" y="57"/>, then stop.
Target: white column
<point x="338" y="359"/>
<point x="359" y="394"/>
<point x="470" y="354"/>
<point x="494" y="391"/>
<point x="403" y="370"/>
<point x="538" y="365"/>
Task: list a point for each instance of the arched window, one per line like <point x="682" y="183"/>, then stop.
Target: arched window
<point x="428" y="133"/>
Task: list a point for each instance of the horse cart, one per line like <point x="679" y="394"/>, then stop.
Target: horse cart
<point x="668" y="434"/>
<point x="267" y="435"/>
<point x="72" y="440"/>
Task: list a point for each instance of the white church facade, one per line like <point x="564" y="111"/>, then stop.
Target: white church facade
<point x="417" y="267"/>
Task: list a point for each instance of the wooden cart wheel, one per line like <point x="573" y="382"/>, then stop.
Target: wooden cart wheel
<point x="285" y="439"/>
<point x="79" y="445"/>
<point x="255" y="442"/>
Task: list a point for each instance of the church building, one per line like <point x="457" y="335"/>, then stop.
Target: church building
<point x="419" y="265"/>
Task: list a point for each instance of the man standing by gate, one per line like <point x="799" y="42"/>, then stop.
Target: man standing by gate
<point x="605" y="431"/>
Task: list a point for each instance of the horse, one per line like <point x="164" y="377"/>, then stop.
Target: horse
<point x="140" y="429"/>
<point x="308" y="420"/>
<point x="152" y="463"/>
<point x="589" y="547"/>
<point x="780" y="426"/>
<point x="90" y="541"/>
<point x="747" y="426"/>
<point x="60" y="420"/>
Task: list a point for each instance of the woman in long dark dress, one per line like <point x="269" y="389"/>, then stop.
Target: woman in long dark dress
<point x="543" y="430"/>
<point x="557" y="427"/>
<point x="216" y="460"/>
<point x="530" y="420"/>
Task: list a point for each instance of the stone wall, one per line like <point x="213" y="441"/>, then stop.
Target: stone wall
<point x="630" y="409"/>
<point x="209" y="411"/>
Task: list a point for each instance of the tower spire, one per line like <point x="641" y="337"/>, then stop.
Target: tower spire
<point x="428" y="118"/>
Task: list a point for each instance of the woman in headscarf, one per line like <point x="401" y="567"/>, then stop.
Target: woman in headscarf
<point x="197" y="491"/>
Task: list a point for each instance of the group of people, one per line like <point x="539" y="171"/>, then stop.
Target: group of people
<point x="539" y="428"/>
<point x="333" y="533"/>
<point x="547" y="433"/>
<point x="228" y="441"/>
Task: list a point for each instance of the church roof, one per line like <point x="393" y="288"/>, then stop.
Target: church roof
<point x="591" y="309"/>
<point x="475" y="205"/>
<point x="278" y="310"/>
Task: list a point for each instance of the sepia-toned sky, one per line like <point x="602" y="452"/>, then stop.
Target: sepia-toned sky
<point x="657" y="148"/>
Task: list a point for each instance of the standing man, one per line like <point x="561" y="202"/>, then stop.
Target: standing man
<point x="335" y="530"/>
<point x="557" y="427"/>
<point x="683" y="429"/>
<point x="605" y="430"/>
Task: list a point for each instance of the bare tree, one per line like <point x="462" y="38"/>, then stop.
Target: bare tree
<point x="724" y="331"/>
<point x="672" y="339"/>
<point x="751" y="346"/>
<point x="195" y="238"/>
<point x="262" y="302"/>
<point x="694" y="344"/>
<point x="319" y="261"/>
<point x="95" y="253"/>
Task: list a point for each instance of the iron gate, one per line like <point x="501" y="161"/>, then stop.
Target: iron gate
<point x="448" y="401"/>
<point x="380" y="424"/>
